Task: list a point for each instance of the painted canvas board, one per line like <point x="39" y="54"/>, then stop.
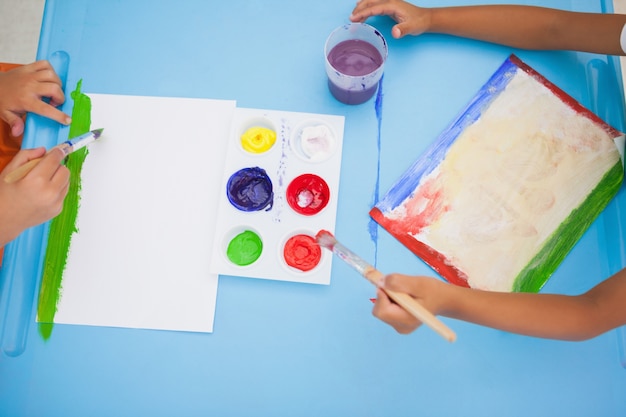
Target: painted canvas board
<point x="505" y="192"/>
<point x="279" y="188"/>
<point x="140" y="257"/>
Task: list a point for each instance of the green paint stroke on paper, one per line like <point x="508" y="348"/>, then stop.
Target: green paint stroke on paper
<point x="63" y="226"/>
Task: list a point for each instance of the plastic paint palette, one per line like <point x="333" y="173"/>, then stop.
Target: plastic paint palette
<point x="276" y="194"/>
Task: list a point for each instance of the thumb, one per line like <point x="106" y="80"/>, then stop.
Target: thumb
<point x="24" y="156"/>
<point x="11" y="119"/>
<point x="16" y="123"/>
<point x="404" y="28"/>
<point x="399" y="30"/>
<point x="395" y="282"/>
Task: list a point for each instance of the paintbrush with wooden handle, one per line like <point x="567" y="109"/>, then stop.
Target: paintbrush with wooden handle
<point x="68" y="147"/>
<point x="328" y="241"/>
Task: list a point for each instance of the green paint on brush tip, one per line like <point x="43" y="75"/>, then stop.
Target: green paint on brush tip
<point x="63" y="226"/>
<point x="245" y="248"/>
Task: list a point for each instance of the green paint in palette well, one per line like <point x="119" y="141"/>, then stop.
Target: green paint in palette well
<point x="245" y="248"/>
<point x="63" y="226"/>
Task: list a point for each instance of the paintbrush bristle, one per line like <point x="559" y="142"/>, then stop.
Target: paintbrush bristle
<point x="325" y="239"/>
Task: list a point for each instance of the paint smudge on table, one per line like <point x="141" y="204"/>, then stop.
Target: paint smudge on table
<point x="63" y="226"/>
<point x="279" y="192"/>
<point x="378" y="108"/>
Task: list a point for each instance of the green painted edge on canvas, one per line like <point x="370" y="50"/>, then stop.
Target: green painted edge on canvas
<point x="533" y="277"/>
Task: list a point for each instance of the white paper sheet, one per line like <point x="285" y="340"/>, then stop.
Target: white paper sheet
<point x="141" y="257"/>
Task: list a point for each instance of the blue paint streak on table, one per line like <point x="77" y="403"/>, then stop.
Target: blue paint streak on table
<point x="283" y="349"/>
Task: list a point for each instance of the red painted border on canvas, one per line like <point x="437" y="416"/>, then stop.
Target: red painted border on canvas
<point x="435" y="259"/>
<point x="566" y="98"/>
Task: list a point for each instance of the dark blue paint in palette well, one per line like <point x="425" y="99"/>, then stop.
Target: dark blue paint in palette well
<point x="250" y="189"/>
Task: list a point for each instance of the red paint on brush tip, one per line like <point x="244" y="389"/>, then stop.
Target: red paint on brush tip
<point x="323" y="233"/>
<point x="325" y="238"/>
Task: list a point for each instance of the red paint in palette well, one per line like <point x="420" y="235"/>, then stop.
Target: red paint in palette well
<point x="432" y="257"/>
<point x="308" y="194"/>
<point x="302" y="252"/>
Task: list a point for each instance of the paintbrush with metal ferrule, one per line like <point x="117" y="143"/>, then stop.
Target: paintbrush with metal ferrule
<point x="67" y="147"/>
<point x="328" y="241"/>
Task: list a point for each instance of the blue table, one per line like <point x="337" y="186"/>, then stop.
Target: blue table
<point x="286" y="349"/>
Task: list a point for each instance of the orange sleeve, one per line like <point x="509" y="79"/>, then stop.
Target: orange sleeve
<point x="9" y="145"/>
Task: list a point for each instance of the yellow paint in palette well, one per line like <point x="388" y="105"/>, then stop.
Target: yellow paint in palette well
<point x="258" y="139"/>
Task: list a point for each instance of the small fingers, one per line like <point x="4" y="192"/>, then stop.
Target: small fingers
<point x="363" y="14"/>
<point x="369" y="8"/>
<point x="45" y="72"/>
<point x="42" y="64"/>
<point x="42" y="82"/>
<point x="396" y="32"/>
<point x="61" y="176"/>
<point x="44" y="109"/>
<point x="17" y="127"/>
<point x="394" y="315"/>
<point x="15" y="121"/>
<point x="52" y="91"/>
<point x="60" y="186"/>
<point x="24" y="156"/>
<point x="399" y="282"/>
<point x="50" y="164"/>
<point x="61" y="182"/>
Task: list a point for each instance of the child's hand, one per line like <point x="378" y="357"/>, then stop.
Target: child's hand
<point x="428" y="291"/>
<point x="35" y="198"/>
<point x="412" y="20"/>
<point x="22" y="90"/>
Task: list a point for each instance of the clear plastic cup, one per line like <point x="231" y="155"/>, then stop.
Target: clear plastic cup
<point x="355" y="57"/>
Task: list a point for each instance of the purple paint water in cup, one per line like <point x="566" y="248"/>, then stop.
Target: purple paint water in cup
<point x="355" y="57"/>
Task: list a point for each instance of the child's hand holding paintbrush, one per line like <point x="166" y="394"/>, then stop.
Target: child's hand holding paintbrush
<point x="408" y="303"/>
<point x="34" y="184"/>
<point x="35" y="199"/>
<point x="552" y="316"/>
<point x="66" y="147"/>
<point x="391" y="313"/>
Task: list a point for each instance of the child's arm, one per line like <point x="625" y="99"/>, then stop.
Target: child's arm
<point x="526" y="27"/>
<point x="35" y="198"/>
<point x="22" y="90"/>
<point x="541" y="315"/>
